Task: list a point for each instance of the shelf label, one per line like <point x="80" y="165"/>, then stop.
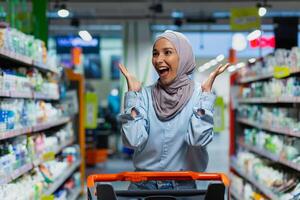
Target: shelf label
<point x="49" y="156"/>
<point x="47" y="197"/>
<point x="281" y="71"/>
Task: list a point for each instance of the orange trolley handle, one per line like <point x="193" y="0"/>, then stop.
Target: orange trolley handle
<point x="147" y="176"/>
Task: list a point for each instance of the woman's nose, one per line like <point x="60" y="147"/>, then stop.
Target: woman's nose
<point x="160" y="59"/>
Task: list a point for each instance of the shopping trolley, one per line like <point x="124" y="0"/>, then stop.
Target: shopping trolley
<point x="99" y="189"/>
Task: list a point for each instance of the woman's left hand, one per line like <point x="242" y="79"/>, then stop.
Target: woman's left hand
<point x="207" y="85"/>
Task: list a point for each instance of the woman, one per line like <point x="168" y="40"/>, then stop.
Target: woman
<point x="169" y="124"/>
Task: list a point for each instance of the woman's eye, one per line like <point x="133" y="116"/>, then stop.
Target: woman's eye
<point x="168" y="52"/>
<point x="154" y="54"/>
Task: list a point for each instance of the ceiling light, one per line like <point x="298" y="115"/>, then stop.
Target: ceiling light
<point x="220" y="57"/>
<point x="207" y="65"/>
<point x="252" y="60"/>
<point x="239" y="42"/>
<point x="177" y="14"/>
<point x="85" y="35"/>
<point x="213" y="62"/>
<point x="204" y="67"/>
<point x="231" y="68"/>
<point x="63" y="12"/>
<point x="254" y="35"/>
<point x="262" y="11"/>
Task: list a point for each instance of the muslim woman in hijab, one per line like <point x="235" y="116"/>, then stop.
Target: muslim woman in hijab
<point x="169" y="123"/>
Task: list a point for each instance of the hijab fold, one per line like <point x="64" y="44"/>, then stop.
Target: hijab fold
<point x="169" y="100"/>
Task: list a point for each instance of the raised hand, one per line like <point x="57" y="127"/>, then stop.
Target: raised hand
<point x="132" y="83"/>
<point x="207" y="85"/>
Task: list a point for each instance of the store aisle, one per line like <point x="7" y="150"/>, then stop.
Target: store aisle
<point x="218" y="153"/>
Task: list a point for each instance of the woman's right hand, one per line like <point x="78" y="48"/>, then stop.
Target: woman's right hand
<point x="132" y="83"/>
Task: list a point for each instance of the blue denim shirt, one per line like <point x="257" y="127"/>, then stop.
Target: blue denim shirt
<point x="174" y="145"/>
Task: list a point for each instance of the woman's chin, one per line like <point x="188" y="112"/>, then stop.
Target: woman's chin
<point x="165" y="82"/>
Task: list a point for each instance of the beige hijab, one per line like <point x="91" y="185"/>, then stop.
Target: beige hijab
<point x="169" y="100"/>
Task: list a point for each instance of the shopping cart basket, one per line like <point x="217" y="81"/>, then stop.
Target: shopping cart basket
<point x="99" y="189"/>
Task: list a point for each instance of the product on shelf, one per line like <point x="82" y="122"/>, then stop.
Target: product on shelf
<point x="17" y="152"/>
<point x="277" y="117"/>
<point x="284" y="88"/>
<point x="41" y="178"/>
<point x="286" y="148"/>
<point x="20" y="113"/>
<point x="68" y="189"/>
<point x="266" y="65"/>
<point x="28" y="83"/>
<point x="243" y="190"/>
<point x="15" y="43"/>
<point x="278" y="181"/>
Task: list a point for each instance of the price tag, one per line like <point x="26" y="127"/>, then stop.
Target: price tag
<point x="281" y="71"/>
<point x="49" y="156"/>
<point x="47" y="197"/>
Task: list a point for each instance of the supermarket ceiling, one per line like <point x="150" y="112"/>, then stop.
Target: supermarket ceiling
<point x="162" y="9"/>
<point x="101" y="12"/>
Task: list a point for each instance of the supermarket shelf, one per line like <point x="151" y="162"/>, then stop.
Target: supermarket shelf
<point x="270" y="100"/>
<point x="55" y="151"/>
<point x="27" y="167"/>
<point x="265" y="76"/>
<point x="39" y="127"/>
<point x="66" y="174"/>
<point x="43" y="66"/>
<point x="15" y="57"/>
<point x="47" y="125"/>
<point x="27" y="95"/>
<point x="4" y="93"/>
<point x="75" y="193"/>
<point x="279" y="130"/>
<point x="24" y="60"/>
<point x="255" y="78"/>
<point x="37" y="95"/>
<point x="253" y="181"/>
<point x="17" y="173"/>
<point x="271" y="156"/>
<point x="14" y="133"/>
<point x="18" y="94"/>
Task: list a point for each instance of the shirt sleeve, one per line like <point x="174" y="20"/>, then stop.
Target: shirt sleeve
<point x="134" y="130"/>
<point x="200" y="131"/>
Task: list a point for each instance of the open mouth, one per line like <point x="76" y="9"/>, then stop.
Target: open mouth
<point x="163" y="71"/>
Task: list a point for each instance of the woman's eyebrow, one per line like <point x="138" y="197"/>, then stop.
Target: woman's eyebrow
<point x="166" y="48"/>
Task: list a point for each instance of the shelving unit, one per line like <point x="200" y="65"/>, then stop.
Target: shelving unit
<point x="253" y="181"/>
<point x="29" y="166"/>
<point x="27" y="95"/>
<point x="67" y="173"/>
<point x="274" y="129"/>
<point x="270" y="156"/>
<point x="271" y="100"/>
<point x="36" y="128"/>
<point x="25" y="61"/>
<point x="12" y="59"/>
<point x="237" y="126"/>
<point x="268" y="75"/>
<point x="78" y="82"/>
<point x="17" y="173"/>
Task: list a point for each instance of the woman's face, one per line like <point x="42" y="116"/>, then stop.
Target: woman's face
<point x="165" y="60"/>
